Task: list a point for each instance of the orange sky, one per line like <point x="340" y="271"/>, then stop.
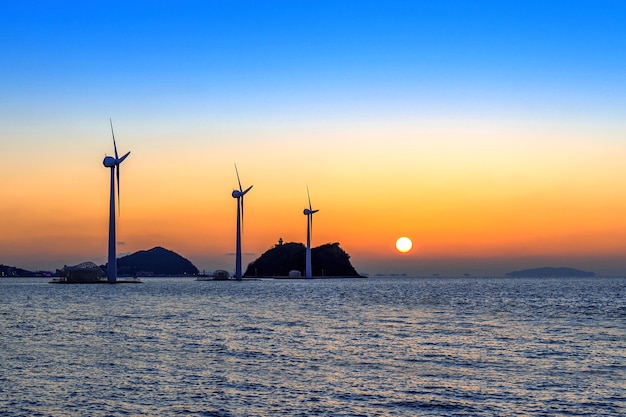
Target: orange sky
<point x="464" y="193"/>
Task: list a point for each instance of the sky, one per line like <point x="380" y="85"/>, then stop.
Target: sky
<point x="491" y="133"/>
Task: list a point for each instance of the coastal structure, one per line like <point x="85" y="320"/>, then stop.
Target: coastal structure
<point x="219" y="275"/>
<point x="83" y="273"/>
<point x="88" y="273"/>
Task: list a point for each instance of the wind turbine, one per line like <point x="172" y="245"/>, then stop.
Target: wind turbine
<point x="309" y="228"/>
<point x="238" y="194"/>
<point x="114" y="164"/>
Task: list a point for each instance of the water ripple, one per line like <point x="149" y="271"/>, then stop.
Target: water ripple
<point x="375" y="347"/>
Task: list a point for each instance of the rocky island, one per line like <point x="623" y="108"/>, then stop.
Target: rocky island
<point x="282" y="260"/>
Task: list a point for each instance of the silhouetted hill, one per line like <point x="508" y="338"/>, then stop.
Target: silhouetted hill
<point x="156" y="262"/>
<point x="550" y="272"/>
<point x="12" y="271"/>
<point x="328" y="260"/>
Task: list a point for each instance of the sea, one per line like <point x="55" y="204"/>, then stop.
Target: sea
<point x="379" y="346"/>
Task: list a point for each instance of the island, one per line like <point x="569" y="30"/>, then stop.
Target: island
<point x="287" y="260"/>
<point x="157" y="262"/>
<point x="550" y="272"/>
<point x="13" y="271"/>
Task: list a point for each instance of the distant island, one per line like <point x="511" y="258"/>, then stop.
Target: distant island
<point x="13" y="271"/>
<point x="157" y="262"/>
<point x="284" y="259"/>
<point x="550" y="272"/>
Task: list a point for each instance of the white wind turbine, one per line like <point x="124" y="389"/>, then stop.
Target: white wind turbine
<point x="238" y="194"/>
<point x="309" y="229"/>
<point x="114" y="164"/>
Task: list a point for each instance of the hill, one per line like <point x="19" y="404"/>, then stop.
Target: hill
<point x="328" y="260"/>
<point x="549" y="272"/>
<point x="12" y="271"/>
<point x="157" y="261"/>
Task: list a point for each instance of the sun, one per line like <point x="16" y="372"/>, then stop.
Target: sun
<point x="404" y="244"/>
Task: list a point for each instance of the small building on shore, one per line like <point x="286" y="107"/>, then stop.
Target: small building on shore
<point x="86" y="272"/>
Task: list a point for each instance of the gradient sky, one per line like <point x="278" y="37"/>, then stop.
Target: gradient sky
<point x="492" y="133"/>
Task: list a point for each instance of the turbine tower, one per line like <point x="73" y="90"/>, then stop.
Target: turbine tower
<point x="114" y="164"/>
<point x="238" y="194"/>
<point x="309" y="228"/>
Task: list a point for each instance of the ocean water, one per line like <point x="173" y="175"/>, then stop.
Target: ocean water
<point x="352" y="347"/>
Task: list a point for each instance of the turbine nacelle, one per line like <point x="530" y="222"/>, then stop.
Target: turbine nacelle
<point x="309" y="211"/>
<point x="239" y="193"/>
<point x="111" y="162"/>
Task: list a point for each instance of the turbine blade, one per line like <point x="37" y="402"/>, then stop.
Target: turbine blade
<point x="247" y="189"/>
<point x="308" y="195"/>
<point x="239" y="181"/>
<point x="113" y="134"/>
<point x="119" y="161"/>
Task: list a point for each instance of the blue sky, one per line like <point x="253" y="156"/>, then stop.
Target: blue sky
<point x="350" y="57"/>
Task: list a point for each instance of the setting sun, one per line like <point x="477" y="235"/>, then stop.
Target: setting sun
<point x="404" y="244"/>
